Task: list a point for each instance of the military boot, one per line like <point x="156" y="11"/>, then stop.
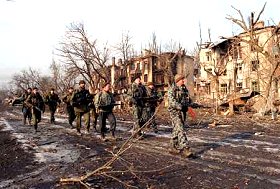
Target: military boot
<point x="112" y="136"/>
<point x="36" y="128"/>
<point x="186" y="152"/>
<point x="24" y="121"/>
<point x="103" y="139"/>
<point x="174" y="151"/>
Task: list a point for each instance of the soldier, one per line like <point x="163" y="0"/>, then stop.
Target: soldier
<point x="81" y="101"/>
<point x="137" y="93"/>
<point x="52" y="100"/>
<point x="104" y="103"/>
<point x="151" y="103"/>
<point x="93" y="111"/>
<point x="178" y="102"/>
<point x="26" y="111"/>
<point x="70" y="109"/>
<point x="36" y="103"/>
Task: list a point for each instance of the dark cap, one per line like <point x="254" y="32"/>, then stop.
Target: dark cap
<point x="82" y="82"/>
<point x="136" y="76"/>
<point x="52" y="89"/>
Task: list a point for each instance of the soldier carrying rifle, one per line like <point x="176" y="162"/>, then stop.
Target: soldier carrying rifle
<point x="151" y="102"/>
<point x="104" y="103"/>
<point x="25" y="109"/>
<point x="70" y="109"/>
<point x="178" y="103"/>
<point x="36" y="103"/>
<point x="137" y="93"/>
<point x="52" y="100"/>
<point x="81" y="101"/>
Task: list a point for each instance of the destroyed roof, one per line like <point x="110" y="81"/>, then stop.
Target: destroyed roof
<point x="237" y="96"/>
<point x="217" y="43"/>
<point x="214" y="44"/>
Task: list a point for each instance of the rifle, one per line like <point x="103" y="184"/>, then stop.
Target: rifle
<point x="149" y="99"/>
<point x="109" y="105"/>
<point x="37" y="108"/>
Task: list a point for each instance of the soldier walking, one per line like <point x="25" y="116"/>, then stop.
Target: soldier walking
<point x="26" y="111"/>
<point x="104" y="103"/>
<point x="36" y="103"/>
<point x="93" y="110"/>
<point x="137" y="93"/>
<point x="151" y="103"/>
<point x="52" y="100"/>
<point x="70" y="109"/>
<point x="178" y="102"/>
<point x="81" y="101"/>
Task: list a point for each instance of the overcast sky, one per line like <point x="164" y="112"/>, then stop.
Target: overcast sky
<point x="31" y="29"/>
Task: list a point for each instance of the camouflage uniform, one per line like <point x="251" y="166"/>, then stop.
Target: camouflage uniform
<point x="136" y="94"/>
<point x="104" y="103"/>
<point x="36" y="103"/>
<point x="178" y="102"/>
<point x="94" y="113"/>
<point x="150" y="106"/>
<point x="52" y="100"/>
<point x="81" y="101"/>
<point x="70" y="109"/>
<point x="26" y="111"/>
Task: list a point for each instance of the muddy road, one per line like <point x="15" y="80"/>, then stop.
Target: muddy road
<point x="237" y="152"/>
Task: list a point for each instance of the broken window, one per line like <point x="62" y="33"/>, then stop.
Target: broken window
<point x="239" y="66"/>
<point x="238" y="86"/>
<point x="255" y="65"/>
<point x="207" y="88"/>
<point x="145" y="65"/>
<point x="276" y="87"/>
<point x="146" y="78"/>
<point x="255" y="86"/>
<point x="159" y="78"/>
<point x="208" y="56"/>
<point x="139" y="66"/>
<point x="223" y="88"/>
<point x="254" y="44"/>
<point x="132" y="66"/>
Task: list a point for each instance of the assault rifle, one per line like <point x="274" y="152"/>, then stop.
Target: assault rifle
<point x="109" y="105"/>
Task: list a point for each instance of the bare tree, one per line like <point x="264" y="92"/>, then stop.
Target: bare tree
<point x="172" y="46"/>
<point x="125" y="48"/>
<point x="61" y="79"/>
<point x="31" y="78"/>
<point x="154" y="47"/>
<point x="81" y="56"/>
<point x="266" y="52"/>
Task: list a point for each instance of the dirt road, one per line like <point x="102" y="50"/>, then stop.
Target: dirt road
<point x="239" y="152"/>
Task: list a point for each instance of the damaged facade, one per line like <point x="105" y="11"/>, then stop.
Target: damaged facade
<point x="152" y="68"/>
<point x="238" y="65"/>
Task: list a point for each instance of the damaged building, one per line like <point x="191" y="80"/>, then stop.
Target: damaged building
<point x="240" y="66"/>
<point x="153" y="68"/>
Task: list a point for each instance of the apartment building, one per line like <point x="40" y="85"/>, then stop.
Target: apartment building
<point x="238" y="64"/>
